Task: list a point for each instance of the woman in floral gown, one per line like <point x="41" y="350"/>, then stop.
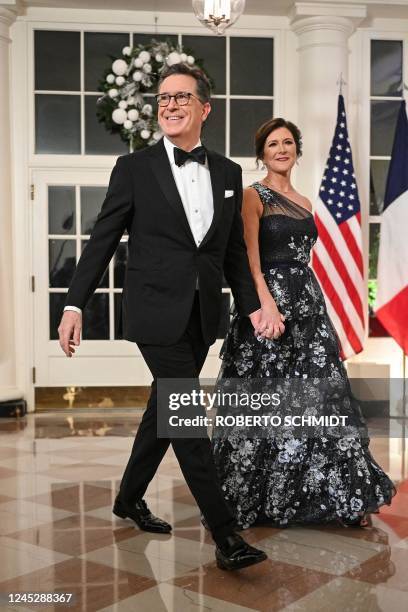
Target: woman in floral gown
<point x="282" y="477"/>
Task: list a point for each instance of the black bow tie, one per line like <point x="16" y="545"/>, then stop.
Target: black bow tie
<point x="198" y="155"/>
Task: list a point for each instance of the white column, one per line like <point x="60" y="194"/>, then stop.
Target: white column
<point x="323" y="31"/>
<point x="8" y="388"/>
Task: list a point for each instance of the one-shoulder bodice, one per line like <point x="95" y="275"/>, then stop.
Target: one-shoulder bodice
<point x="287" y="230"/>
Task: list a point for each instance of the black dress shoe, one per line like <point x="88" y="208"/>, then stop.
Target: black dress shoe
<point x="234" y="553"/>
<point x="140" y="513"/>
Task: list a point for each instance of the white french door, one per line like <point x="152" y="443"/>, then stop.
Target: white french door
<point x="65" y="207"/>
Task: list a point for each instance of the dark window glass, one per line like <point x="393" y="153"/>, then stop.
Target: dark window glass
<point x="91" y="203"/>
<point x="100" y="47"/>
<point x="225" y="317"/>
<point x="378" y="179"/>
<point x="212" y="51"/>
<point x="246" y="117"/>
<point x="213" y="135"/>
<point x="57" y="60"/>
<point x="118" y="316"/>
<point x="104" y="282"/>
<point x="57" y="301"/>
<point x="120" y="265"/>
<point x="252" y="66"/>
<point x="98" y="141"/>
<point x="386" y="68"/>
<point x="62" y="261"/>
<point x="383" y="120"/>
<point x="96" y="318"/>
<point x="57" y="124"/>
<point x="374" y="244"/>
<point x="61" y="209"/>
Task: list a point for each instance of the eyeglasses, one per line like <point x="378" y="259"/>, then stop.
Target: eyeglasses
<point x="181" y="98"/>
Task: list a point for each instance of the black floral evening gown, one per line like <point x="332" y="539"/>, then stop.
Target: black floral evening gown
<point x="285" y="477"/>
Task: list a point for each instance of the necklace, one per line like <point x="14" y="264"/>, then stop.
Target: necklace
<point x="276" y="189"/>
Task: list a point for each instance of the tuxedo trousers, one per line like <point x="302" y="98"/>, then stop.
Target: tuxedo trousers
<point x="183" y="360"/>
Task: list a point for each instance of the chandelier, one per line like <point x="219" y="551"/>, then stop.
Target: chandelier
<point x="218" y="15"/>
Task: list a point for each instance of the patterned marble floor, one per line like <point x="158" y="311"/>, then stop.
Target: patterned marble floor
<point x="58" y="477"/>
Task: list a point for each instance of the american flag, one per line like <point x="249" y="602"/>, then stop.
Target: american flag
<point x="337" y="258"/>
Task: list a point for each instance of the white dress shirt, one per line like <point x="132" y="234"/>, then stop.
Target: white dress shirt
<point x="193" y="183"/>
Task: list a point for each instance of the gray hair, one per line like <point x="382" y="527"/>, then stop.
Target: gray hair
<point x="203" y="84"/>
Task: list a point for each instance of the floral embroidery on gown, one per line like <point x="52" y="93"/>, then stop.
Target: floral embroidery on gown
<point x="286" y="478"/>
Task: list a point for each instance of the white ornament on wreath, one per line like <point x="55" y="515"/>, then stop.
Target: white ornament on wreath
<point x="120" y="80"/>
<point x="113" y="93"/>
<point x="173" y="58"/>
<point x="133" y="114"/>
<point x="137" y="76"/>
<point x="119" y="67"/>
<point x="119" y="116"/>
<point x="147" y="109"/>
<point x="144" y="56"/>
<point x="110" y="78"/>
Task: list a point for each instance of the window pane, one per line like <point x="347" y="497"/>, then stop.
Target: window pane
<point x="213" y="134"/>
<point x="386" y="68"/>
<point x="91" y="203"/>
<point x="104" y="282"/>
<point x="96" y="318"/>
<point x="61" y="210"/>
<point x="98" y="141"/>
<point x="99" y="47"/>
<point x="252" y="66"/>
<point x="378" y="178"/>
<point x="118" y="315"/>
<point x="120" y="265"/>
<point x="57" y="301"/>
<point x="225" y="317"/>
<point x="57" y="124"/>
<point x="246" y="117"/>
<point x="212" y="51"/>
<point x="62" y="262"/>
<point x="383" y="121"/>
<point x="57" y="60"/>
<point x="374" y="243"/>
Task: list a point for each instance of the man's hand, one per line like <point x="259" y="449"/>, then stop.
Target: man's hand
<point x="268" y="322"/>
<point x="255" y="318"/>
<point x="69" y="331"/>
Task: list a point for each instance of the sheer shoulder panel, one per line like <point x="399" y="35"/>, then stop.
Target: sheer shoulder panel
<point x="274" y="203"/>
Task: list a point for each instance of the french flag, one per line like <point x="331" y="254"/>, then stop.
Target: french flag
<point x="392" y="276"/>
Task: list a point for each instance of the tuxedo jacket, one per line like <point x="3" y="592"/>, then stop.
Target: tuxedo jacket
<point x="164" y="261"/>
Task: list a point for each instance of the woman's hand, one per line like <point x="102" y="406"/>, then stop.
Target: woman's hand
<point x="271" y="322"/>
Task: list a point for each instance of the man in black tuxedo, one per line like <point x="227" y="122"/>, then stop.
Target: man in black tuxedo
<point x="181" y="207"/>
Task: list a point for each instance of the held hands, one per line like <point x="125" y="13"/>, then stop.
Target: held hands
<point x="268" y="321"/>
<point x="69" y="331"/>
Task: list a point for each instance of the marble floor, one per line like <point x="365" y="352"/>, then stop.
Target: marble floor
<point x="58" y="477"/>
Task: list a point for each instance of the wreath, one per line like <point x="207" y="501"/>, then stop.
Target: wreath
<point x="125" y="108"/>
